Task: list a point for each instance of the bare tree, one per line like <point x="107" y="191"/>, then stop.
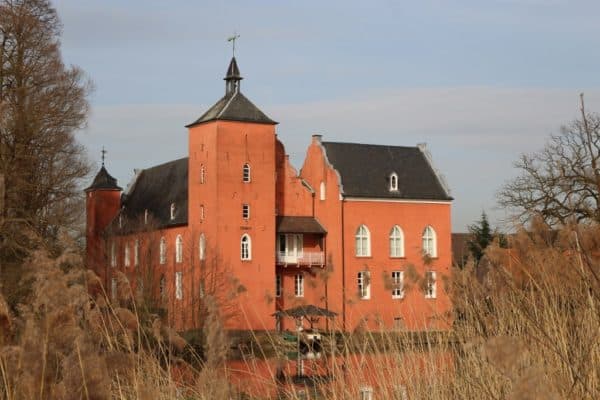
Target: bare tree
<point x="562" y="182"/>
<point x="42" y="103"/>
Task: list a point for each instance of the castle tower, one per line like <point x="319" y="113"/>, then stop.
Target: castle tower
<point x="103" y="200"/>
<point x="231" y="189"/>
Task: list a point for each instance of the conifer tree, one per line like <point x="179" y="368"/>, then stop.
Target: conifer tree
<point x="482" y="236"/>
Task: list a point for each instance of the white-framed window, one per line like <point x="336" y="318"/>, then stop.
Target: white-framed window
<point x="246" y="177"/>
<point x="246" y="247"/>
<point x="146" y="216"/>
<point x="396" y="242"/>
<point x="322" y="191"/>
<point x="113" y="254"/>
<point x="136" y="253"/>
<point x="366" y="393"/>
<point x="246" y="211"/>
<point x="179" y="249"/>
<point x="202" y="215"/>
<point x="363" y="241"/>
<point x="173" y="209"/>
<point x="179" y="285"/>
<point x="202" y="247"/>
<point x="430" y="285"/>
<point x="278" y="285"/>
<point x="113" y="288"/>
<point x="398" y="284"/>
<point x="393" y="182"/>
<point x="163" y="251"/>
<point x="299" y="285"/>
<point x="126" y="256"/>
<point x="202" y="174"/>
<point x="429" y="242"/>
<point x="290" y="246"/>
<point x="363" y="280"/>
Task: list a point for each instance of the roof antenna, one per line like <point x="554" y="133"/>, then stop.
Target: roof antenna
<point x="103" y="154"/>
<point x="232" y="39"/>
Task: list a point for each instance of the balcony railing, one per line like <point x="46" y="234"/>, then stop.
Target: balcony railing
<point x="303" y="258"/>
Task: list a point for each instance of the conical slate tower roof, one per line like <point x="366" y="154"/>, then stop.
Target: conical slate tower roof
<point x="234" y="106"/>
<point x="103" y="181"/>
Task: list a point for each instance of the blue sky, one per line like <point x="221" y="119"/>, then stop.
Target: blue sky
<point x="479" y="81"/>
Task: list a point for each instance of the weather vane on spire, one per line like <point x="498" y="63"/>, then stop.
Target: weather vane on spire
<point x="232" y="39"/>
<point x="103" y="154"/>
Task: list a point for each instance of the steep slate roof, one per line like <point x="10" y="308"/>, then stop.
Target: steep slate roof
<point x="155" y="189"/>
<point x="365" y="171"/>
<point x="234" y="106"/>
<point x="287" y="224"/>
<point x="103" y="180"/>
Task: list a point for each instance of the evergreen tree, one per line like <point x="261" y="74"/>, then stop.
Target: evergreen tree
<point x="482" y="236"/>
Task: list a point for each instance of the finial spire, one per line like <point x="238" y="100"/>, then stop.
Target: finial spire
<point x="103" y="155"/>
<point x="232" y="39"/>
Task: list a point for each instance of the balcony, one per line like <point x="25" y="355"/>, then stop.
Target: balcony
<point x="316" y="258"/>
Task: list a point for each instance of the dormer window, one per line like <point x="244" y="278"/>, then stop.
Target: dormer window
<point x="172" y="211"/>
<point x="246" y="173"/>
<point x="146" y="216"/>
<point x="393" y="182"/>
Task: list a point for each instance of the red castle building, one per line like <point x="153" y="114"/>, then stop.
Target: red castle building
<point x="362" y="230"/>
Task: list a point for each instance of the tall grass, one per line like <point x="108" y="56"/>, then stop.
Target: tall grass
<point x="527" y="326"/>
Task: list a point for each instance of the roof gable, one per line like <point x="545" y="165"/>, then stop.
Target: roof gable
<point x="365" y="170"/>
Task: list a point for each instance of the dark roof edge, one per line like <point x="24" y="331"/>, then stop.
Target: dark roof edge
<point x="230" y="120"/>
<point x="440" y="177"/>
<point x="400" y="199"/>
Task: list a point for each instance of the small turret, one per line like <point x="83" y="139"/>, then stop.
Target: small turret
<point x="233" y="78"/>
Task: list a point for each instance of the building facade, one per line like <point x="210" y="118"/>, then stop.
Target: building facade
<point x="362" y="230"/>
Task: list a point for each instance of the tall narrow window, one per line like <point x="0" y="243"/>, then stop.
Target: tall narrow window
<point x="299" y="285"/>
<point x="246" y="247"/>
<point x="202" y="173"/>
<point x="398" y="284"/>
<point x="396" y="242"/>
<point x="136" y="253"/>
<point x="278" y="285"/>
<point x="393" y="182"/>
<point x="163" y="251"/>
<point x="363" y="242"/>
<point x="179" y="249"/>
<point x="120" y="221"/>
<point x="246" y="211"/>
<point x="113" y="254"/>
<point x="322" y="191"/>
<point x="113" y="289"/>
<point x="429" y="242"/>
<point x="430" y="285"/>
<point x="172" y="211"/>
<point x="364" y="285"/>
<point x="202" y="212"/>
<point x="246" y="177"/>
<point x="162" y="287"/>
<point x="145" y="216"/>
<point x="126" y="260"/>
<point x="179" y="285"/>
<point x="202" y="246"/>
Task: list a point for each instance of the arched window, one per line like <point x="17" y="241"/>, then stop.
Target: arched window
<point x="363" y="242"/>
<point x="202" y="173"/>
<point x="429" y="242"/>
<point x="178" y="249"/>
<point x="172" y="210"/>
<point x="322" y="192"/>
<point x="163" y="251"/>
<point x="396" y="242"/>
<point x="202" y="246"/>
<point x="126" y="261"/>
<point x="246" y="173"/>
<point x="246" y="247"/>
<point x="393" y="182"/>
<point x="136" y="253"/>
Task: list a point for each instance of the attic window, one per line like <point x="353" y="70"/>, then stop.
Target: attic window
<point x="172" y="211"/>
<point x="145" y="216"/>
<point x="393" y="182"/>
